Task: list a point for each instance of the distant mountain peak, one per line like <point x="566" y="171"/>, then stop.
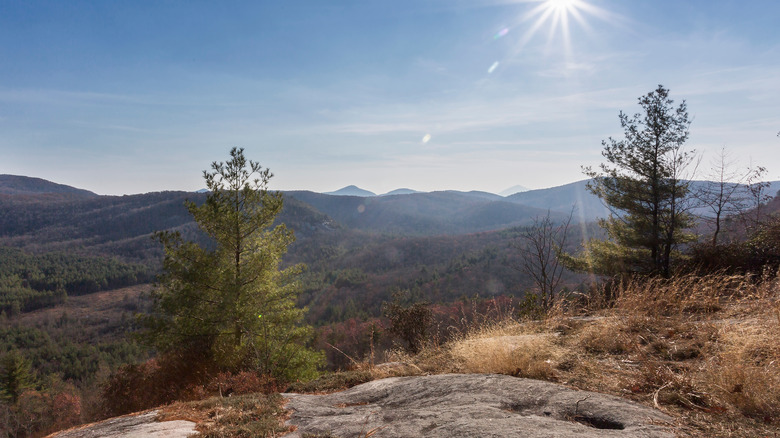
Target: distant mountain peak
<point x="514" y="189"/>
<point x="351" y="191"/>
<point x="403" y="191"/>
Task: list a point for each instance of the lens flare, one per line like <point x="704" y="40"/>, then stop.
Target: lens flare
<point x="501" y="33"/>
<point x="493" y="67"/>
<point x="426" y="138"/>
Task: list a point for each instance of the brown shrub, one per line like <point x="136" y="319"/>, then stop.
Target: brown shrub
<point x="38" y="413"/>
<point x="411" y="323"/>
<point x="244" y="382"/>
<point x="174" y="376"/>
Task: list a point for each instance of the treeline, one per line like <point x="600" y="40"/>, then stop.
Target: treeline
<point x="29" y="281"/>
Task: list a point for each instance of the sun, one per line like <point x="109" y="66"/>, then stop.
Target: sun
<point x="561" y="5"/>
<point x="557" y="12"/>
<point x="557" y="16"/>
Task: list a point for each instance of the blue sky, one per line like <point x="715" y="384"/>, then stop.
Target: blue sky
<point x="130" y="97"/>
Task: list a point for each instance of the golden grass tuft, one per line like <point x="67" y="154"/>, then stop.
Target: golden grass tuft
<point x="507" y="348"/>
<point x="688" y="294"/>
<point x="605" y="336"/>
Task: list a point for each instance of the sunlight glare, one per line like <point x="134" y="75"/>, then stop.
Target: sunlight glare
<point x="556" y="16"/>
<point x="561" y="5"/>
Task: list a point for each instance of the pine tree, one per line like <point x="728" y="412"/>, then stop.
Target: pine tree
<point x="231" y="301"/>
<point x="15" y="376"/>
<point x="643" y="187"/>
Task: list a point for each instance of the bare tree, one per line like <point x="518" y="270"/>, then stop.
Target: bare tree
<point x="757" y="196"/>
<point x="723" y="194"/>
<point x="540" y="246"/>
<point x="731" y="192"/>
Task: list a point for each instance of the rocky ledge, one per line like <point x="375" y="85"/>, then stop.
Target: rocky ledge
<point x="470" y="405"/>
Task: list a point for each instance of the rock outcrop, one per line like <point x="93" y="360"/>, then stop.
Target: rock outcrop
<point x="144" y="425"/>
<point x="470" y="405"/>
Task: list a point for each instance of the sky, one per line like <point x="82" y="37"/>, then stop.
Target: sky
<point x="133" y="97"/>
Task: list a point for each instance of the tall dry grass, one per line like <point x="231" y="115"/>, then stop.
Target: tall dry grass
<point x="745" y="371"/>
<point x="703" y="348"/>
<point x="507" y="347"/>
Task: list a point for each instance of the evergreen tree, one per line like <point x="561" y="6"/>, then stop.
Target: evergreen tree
<point x="232" y="302"/>
<point x="15" y="376"/>
<point x="642" y="185"/>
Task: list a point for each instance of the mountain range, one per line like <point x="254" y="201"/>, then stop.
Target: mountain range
<point x="358" y="249"/>
<point x="353" y="190"/>
<point x="32" y="209"/>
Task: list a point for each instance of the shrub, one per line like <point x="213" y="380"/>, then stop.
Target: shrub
<point x="179" y="375"/>
<point x="410" y="322"/>
<point x="758" y="253"/>
<point x="244" y="382"/>
<point x="37" y="413"/>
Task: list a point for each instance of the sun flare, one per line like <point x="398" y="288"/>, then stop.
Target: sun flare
<point x="561" y="5"/>
<point x="557" y="16"/>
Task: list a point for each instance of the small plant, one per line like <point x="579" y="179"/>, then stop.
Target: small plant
<point x="530" y="307"/>
<point x="409" y="322"/>
<point x="244" y="382"/>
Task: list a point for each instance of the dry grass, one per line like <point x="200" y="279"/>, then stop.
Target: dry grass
<point x="703" y="349"/>
<point x="607" y="336"/>
<point x="506" y="348"/>
<point x="745" y="372"/>
<point x="250" y="415"/>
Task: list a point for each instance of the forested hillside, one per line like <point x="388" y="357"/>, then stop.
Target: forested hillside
<point x="29" y="282"/>
<point x="380" y="249"/>
<point x="24" y="185"/>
